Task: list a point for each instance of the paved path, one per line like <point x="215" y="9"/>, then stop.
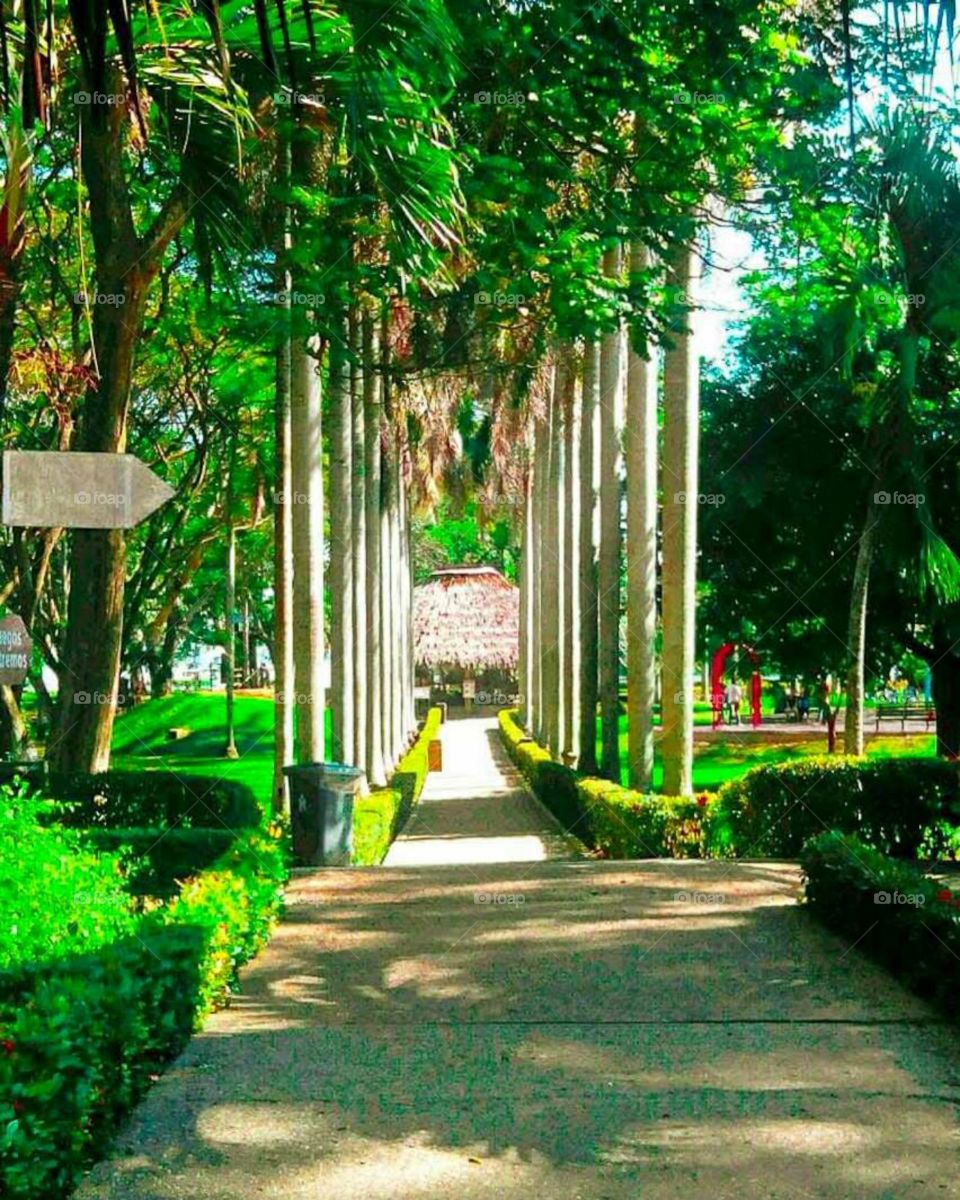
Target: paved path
<point x="476" y="810"/>
<point x="573" y="1030"/>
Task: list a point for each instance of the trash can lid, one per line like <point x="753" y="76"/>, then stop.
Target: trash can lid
<point x="336" y="770"/>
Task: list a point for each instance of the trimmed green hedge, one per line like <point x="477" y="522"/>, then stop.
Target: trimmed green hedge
<point x="156" y="861"/>
<point x="617" y="822"/>
<point x="889" y="910"/>
<point x="152" y="799"/>
<point x="380" y="815"/>
<point x="81" y="1032"/>
<point x="904" y="807"/>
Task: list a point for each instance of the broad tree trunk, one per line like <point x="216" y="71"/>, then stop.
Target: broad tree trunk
<point x="387" y="616"/>
<point x="126" y="265"/>
<point x="396" y="597"/>
<point x="341" y="554"/>
<point x="371" y="419"/>
<point x="307" y="487"/>
<point x="608" y="581"/>
<point x="570" y="739"/>
<point x="587" y="566"/>
<point x="283" y="552"/>
<point x="358" y="514"/>
<point x="681" y="412"/>
<point x="641" y="455"/>
<point x="857" y="634"/>
<point x="552" y="567"/>
<point x="17" y="180"/>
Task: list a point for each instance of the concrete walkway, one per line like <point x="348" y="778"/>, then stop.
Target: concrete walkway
<point x="476" y="810"/>
<point x="566" y="1029"/>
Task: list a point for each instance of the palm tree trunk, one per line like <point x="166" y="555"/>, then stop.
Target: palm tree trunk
<point x="681" y="410"/>
<point x="570" y="739"/>
<point x="387" y="618"/>
<point x="307" y="487"/>
<point x="552" y="567"/>
<point x="396" y="598"/>
<point x="341" y="554"/>
<point x="641" y="454"/>
<point x="359" y="556"/>
<point x="537" y="592"/>
<point x="230" y="750"/>
<point x="587" y="567"/>
<point x="608" y="582"/>
<point x="525" y="662"/>
<point x="376" y="773"/>
<point x="283" y="556"/>
<point x="857" y="634"/>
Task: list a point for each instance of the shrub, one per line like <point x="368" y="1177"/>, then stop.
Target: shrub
<point x="900" y="806"/>
<point x="155" y="862"/>
<point x="614" y="820"/>
<point x="56" y="898"/>
<point x="152" y="799"/>
<point x="380" y="815"/>
<point x="84" y="1024"/>
<point x="890" y="910"/>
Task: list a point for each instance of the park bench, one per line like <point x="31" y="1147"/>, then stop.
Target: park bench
<point x="906" y="712"/>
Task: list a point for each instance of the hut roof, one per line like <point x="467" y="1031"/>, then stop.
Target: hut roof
<point x="467" y="618"/>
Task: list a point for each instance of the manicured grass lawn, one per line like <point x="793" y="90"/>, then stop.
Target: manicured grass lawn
<point x="140" y="739"/>
<point x="717" y="761"/>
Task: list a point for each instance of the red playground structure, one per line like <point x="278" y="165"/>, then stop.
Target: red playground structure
<point x="716" y="682"/>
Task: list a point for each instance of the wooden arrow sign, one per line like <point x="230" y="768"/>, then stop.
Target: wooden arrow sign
<point x="15" y="649"/>
<point x="75" y="490"/>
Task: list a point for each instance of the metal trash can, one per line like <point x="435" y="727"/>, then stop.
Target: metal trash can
<point x="321" y="812"/>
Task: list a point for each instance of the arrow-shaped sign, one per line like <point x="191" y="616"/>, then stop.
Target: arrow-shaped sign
<point x="75" y="490"/>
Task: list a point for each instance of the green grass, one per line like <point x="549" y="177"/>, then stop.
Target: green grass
<point x="140" y="739"/>
<point x="715" y="762"/>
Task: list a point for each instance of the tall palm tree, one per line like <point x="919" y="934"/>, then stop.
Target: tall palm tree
<point x="608" y="561"/>
<point x="570" y="737"/>
<point x="641" y="463"/>
<point x="681" y="411"/>
<point x="587" y="566"/>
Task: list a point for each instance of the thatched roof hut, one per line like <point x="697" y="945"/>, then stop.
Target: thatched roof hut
<point x="467" y="619"/>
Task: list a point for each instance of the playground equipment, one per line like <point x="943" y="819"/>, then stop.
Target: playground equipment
<point x="716" y="682"/>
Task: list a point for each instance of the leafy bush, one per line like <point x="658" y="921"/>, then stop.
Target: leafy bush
<point x="152" y="799"/>
<point x="901" y="806"/>
<point x="89" y="1011"/>
<point x="889" y="910"/>
<point x="155" y="862"/>
<point x="380" y="815"/>
<point x="56" y="898"/>
<point x="614" y="820"/>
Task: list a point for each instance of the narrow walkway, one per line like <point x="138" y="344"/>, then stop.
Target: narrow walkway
<point x="476" y="810"/>
<point x="485" y="1020"/>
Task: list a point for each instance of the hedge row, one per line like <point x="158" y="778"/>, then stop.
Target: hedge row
<point x="154" y="862"/>
<point x="380" y="815"/>
<point x="889" y="910"/>
<point x="614" y="820"/>
<point x="152" y="799"/>
<point x="904" y="807"/>
<point x="82" y="1032"/>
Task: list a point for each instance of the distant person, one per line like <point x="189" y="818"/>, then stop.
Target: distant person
<point x="733" y="697"/>
<point x="803" y="705"/>
<point x="791" y="709"/>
